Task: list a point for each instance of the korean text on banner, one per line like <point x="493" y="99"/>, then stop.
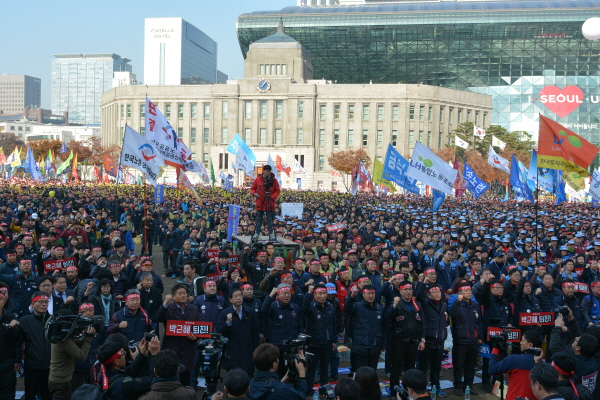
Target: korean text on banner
<point x="431" y="170"/>
<point x="52" y="265"/>
<point x="475" y="185"/>
<point x="233" y="221"/>
<point x="140" y="154"/>
<point x="394" y="170"/>
<point x="184" y="328"/>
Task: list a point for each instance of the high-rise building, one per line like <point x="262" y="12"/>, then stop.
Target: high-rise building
<point x="530" y="56"/>
<point x="78" y="81"/>
<point x="18" y="92"/>
<point x="178" y="53"/>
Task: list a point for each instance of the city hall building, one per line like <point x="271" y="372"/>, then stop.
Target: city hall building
<point x="530" y="56"/>
<point x="279" y="109"/>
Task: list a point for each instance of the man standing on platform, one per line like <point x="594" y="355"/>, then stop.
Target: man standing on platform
<point x="265" y="189"/>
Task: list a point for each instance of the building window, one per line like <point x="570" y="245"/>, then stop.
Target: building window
<point x="193" y="135"/>
<point x="128" y="110"/>
<point x="193" y="111"/>
<point x="223" y="160"/>
<point x="278" y="69"/>
<point x="277" y="136"/>
<point x="421" y="137"/>
<point x="468" y="116"/>
<point x="263" y="135"/>
<point x="429" y="113"/>
<point x="411" y="138"/>
<point x="284" y="69"/>
<point x="336" y="111"/>
<point x="205" y="160"/>
<point x="247" y="134"/>
<point x="421" y="113"/>
<point x="394" y="138"/>
<point x="122" y="111"/>
<point x="206" y="135"/>
<point x="248" y="109"/>
<point x="365" y="138"/>
<point x="395" y="112"/>
<point x="459" y="117"/>
<point x="439" y="140"/>
<point x="411" y="112"/>
<point x="225" y="109"/>
<point x="180" y="111"/>
<point x="278" y="109"/>
<point x="142" y="110"/>
<point x="263" y="110"/>
<point x="167" y="110"/>
<point x="207" y="111"/>
<point x="142" y="130"/>
<point x="441" y="114"/>
<point x="224" y="135"/>
<point x="180" y="132"/>
<point x="484" y="119"/>
<point x="322" y="137"/>
<point x="429" y="139"/>
<point x="351" y="111"/>
<point x="379" y="138"/>
<point x="300" y="109"/>
<point x="321" y="163"/>
<point x="450" y="115"/>
<point x="261" y="70"/>
<point x="300" y="136"/>
<point x="380" y="112"/>
<point x="336" y="137"/>
<point x="322" y="111"/>
<point x="476" y="118"/>
<point x="366" y="112"/>
<point x="350" y="137"/>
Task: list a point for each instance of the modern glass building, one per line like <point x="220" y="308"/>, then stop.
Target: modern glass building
<point x="78" y="81"/>
<point x="529" y="55"/>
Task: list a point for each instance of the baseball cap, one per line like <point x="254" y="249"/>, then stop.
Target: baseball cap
<point x="331" y="288"/>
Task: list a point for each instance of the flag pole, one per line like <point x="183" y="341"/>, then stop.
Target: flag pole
<point x="145" y="235"/>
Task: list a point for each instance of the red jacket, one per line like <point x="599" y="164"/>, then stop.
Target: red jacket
<point x="258" y="186"/>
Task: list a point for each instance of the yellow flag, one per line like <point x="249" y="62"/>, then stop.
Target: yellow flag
<point x="377" y="178"/>
<point x="574" y="180"/>
<point x="17" y="158"/>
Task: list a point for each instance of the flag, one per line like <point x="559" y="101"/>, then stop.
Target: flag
<point x="498" y="143"/>
<point x="479" y="132"/>
<point x="97" y="172"/>
<point x="212" y="174"/>
<point x="560" y="148"/>
<point x="203" y="174"/>
<point x="245" y="158"/>
<point x="272" y="164"/>
<point x="129" y="179"/>
<point x="459" y="183"/>
<point x="561" y="195"/>
<point x="2" y="156"/>
<point x="431" y="170"/>
<point x="438" y="199"/>
<point x="9" y="160"/>
<point x="65" y="164"/>
<point x="183" y="183"/>
<point x="460" y="143"/>
<point x="74" y="172"/>
<point x="498" y="162"/>
<point x="298" y="168"/>
<point x="475" y="185"/>
<point x="595" y="185"/>
<point x="543" y="178"/>
<point x="336" y="174"/>
<point x="378" y="176"/>
<point x="63" y="148"/>
<point x="394" y="169"/>
<point x="282" y="165"/>
<point x="140" y="154"/>
<point x="574" y="180"/>
<point x="516" y="180"/>
<point x="34" y="170"/>
<point x="16" y="158"/>
<point x="233" y="221"/>
<point x="109" y="166"/>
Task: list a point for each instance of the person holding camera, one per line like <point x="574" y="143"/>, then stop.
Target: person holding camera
<point x="414" y="382"/>
<point x="236" y="385"/>
<point x="180" y="310"/>
<point x="266" y="384"/>
<point x="167" y="386"/>
<point x="265" y="189"/>
<point x="517" y="366"/>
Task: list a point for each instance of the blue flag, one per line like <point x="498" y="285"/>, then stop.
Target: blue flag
<point x="517" y="181"/>
<point x="33" y="168"/>
<point x="561" y="195"/>
<point x="394" y="169"/>
<point x="542" y="177"/>
<point x="475" y="185"/>
<point x="232" y="221"/>
<point x="438" y="199"/>
<point x="63" y="149"/>
<point x="159" y="194"/>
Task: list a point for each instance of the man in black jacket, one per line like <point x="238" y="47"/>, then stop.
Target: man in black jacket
<point x="365" y="328"/>
<point x="150" y="297"/>
<point x="546" y="294"/>
<point x="319" y="315"/>
<point x="148" y="233"/>
<point x="10" y="352"/>
<point x="404" y="317"/>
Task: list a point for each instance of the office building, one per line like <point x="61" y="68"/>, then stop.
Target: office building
<point x="279" y="109"/>
<point x="178" y="53"/>
<point x="78" y="81"/>
<point x="18" y="92"/>
<point x="530" y="56"/>
<point x="31" y="130"/>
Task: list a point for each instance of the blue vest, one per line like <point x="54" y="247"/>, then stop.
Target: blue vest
<point x="594" y="311"/>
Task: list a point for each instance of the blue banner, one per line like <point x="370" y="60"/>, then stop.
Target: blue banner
<point x="475" y="185"/>
<point x="394" y="169"/>
<point x="438" y="199"/>
<point x="542" y="177"/>
<point x="484" y="350"/>
<point x="159" y="194"/>
<point x="228" y="185"/>
<point x="518" y="182"/>
<point x="237" y="143"/>
<point x="232" y="221"/>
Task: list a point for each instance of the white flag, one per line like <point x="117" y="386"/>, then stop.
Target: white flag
<point x="595" y="185"/>
<point x="498" y="143"/>
<point x="479" y="132"/>
<point x="498" y="162"/>
<point x="141" y="154"/>
<point x="431" y="170"/>
<point x="460" y="143"/>
<point x="298" y="168"/>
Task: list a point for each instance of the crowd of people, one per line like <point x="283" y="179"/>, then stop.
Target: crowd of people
<point x="384" y="276"/>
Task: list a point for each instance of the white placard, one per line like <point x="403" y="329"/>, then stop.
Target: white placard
<point x="292" y="209"/>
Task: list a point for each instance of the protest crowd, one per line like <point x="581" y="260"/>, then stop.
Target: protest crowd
<point x="509" y="288"/>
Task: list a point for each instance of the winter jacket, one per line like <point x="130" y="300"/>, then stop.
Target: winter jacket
<point x="168" y="389"/>
<point x="283" y="321"/>
<point x="209" y="307"/>
<point x="366" y="324"/>
<point x="63" y="358"/>
<point x="243" y="337"/>
<point x="180" y="344"/>
<point x="137" y="325"/>
<point x="574" y="306"/>
<point x="435" y="322"/>
<point x="320" y="322"/>
<point x="517" y="366"/>
<point x="37" y="347"/>
<point x="465" y="322"/>
<point x="405" y="321"/>
<point x="546" y="298"/>
<point x="258" y="186"/>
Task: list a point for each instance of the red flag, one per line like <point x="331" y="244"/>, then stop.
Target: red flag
<point x="459" y="183"/>
<point x="109" y="166"/>
<point x="97" y="172"/>
<point x="74" y="172"/>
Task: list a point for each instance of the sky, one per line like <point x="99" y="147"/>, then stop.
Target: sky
<point x="33" y="31"/>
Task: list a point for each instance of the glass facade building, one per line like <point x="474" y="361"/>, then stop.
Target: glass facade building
<point x="530" y="56"/>
<point x="78" y="81"/>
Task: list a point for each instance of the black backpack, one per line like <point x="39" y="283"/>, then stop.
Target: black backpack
<point x="88" y="392"/>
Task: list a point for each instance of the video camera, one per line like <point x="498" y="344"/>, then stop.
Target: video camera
<point x="62" y="327"/>
<point x="564" y="310"/>
<point x="402" y="392"/>
<point x="500" y="340"/>
<point x="213" y="354"/>
<point x="255" y="247"/>
<point x="290" y="354"/>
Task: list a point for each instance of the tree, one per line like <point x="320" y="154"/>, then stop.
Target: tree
<point x="40" y="147"/>
<point x="8" y="142"/>
<point x="345" y="161"/>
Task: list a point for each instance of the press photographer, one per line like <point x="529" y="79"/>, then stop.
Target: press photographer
<point x="265" y="189"/>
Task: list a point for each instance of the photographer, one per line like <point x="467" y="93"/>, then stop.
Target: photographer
<point x="517" y="365"/>
<point x="265" y="189"/>
<point x="236" y="385"/>
<point x="166" y="385"/>
<point x="265" y="385"/>
<point x="62" y="362"/>
<point x="568" y="299"/>
<point x="415" y="383"/>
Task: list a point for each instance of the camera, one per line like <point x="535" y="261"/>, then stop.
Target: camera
<point x="329" y="393"/>
<point x="61" y="327"/>
<point x="255" y="248"/>
<point x="290" y="354"/>
<point x="535" y="351"/>
<point x="213" y="354"/>
<point x="149" y="336"/>
<point x="564" y="310"/>
<point x="402" y="392"/>
<point x="499" y="340"/>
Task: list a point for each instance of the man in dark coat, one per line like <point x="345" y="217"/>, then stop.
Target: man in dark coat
<point x="241" y="326"/>
<point x="150" y="297"/>
<point x="179" y="310"/>
<point x="132" y="320"/>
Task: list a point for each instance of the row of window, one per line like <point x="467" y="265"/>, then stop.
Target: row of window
<point x="272" y="69"/>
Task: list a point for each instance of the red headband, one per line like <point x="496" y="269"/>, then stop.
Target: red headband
<point x="261" y="253"/>
<point x="368" y="291"/>
<point x="433" y="289"/>
<point x="407" y="286"/>
<point x="24" y="261"/>
<point x="560" y="370"/>
<point x="209" y="282"/>
<point x="279" y="259"/>
<point x="38" y="298"/>
<point x="71" y="268"/>
<point x="114" y="357"/>
<point x="4" y="289"/>
<point x="363" y="279"/>
<point x="568" y="284"/>
<point x="594" y="284"/>
<point x="320" y="289"/>
<point x="428" y="271"/>
<point x="464" y="288"/>
<point x="283" y="289"/>
<point x="247" y="286"/>
<point x="497" y="284"/>
<point x="58" y="247"/>
<point x="86" y="306"/>
<point x="132" y="296"/>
